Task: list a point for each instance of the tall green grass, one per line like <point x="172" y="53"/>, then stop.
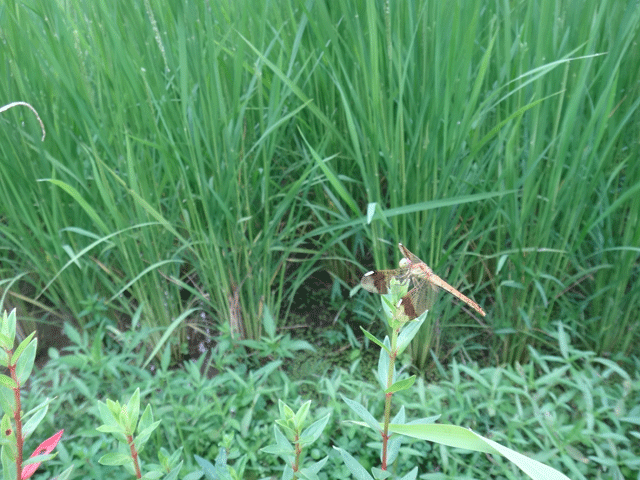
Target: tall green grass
<point x="170" y="170"/>
<point x="207" y="155"/>
<point x="536" y="101"/>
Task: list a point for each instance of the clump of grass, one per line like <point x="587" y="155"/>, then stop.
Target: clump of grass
<point x="197" y="154"/>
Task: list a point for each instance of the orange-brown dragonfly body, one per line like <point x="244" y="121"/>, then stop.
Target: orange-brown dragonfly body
<point x="425" y="282"/>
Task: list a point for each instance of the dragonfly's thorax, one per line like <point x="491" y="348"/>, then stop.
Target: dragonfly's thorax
<point x="420" y="270"/>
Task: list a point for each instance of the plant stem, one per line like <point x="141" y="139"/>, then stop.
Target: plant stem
<point x="387" y="398"/>
<point x="16" y="417"/>
<point x="134" y="456"/>
<point x="296" y="465"/>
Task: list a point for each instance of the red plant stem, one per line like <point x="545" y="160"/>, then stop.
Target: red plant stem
<point x="16" y="417"/>
<point x="296" y="463"/>
<point x="134" y="456"/>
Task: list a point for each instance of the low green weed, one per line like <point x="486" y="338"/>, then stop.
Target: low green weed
<point x="290" y="444"/>
<point x="573" y="411"/>
<point x="272" y="344"/>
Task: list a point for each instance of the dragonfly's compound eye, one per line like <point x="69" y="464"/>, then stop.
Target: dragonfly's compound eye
<point x="405" y="262"/>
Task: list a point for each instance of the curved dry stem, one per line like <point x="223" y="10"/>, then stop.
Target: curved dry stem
<point x="15" y="104"/>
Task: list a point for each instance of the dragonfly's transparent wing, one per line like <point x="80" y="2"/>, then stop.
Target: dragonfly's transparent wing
<point x="425" y="282"/>
<point x="419" y="299"/>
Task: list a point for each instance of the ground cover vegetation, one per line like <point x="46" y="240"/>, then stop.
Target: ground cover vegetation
<point x="573" y="411"/>
<point x="207" y="163"/>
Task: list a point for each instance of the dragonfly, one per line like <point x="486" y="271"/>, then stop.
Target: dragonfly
<point x="425" y="285"/>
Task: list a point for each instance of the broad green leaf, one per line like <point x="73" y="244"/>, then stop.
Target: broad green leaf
<point x="383" y="365"/>
<point x="4" y="356"/>
<point x="7" y="382"/>
<point x="312" y="470"/>
<point x="286" y="412"/>
<point x="393" y="448"/>
<point x="9" y="327"/>
<point x="7" y="401"/>
<point x="395" y="442"/>
<point x="115" y="459"/>
<point x="287" y="474"/>
<point x="611" y="365"/>
<point x="282" y="446"/>
<point x="144" y="435"/>
<point x="66" y="474"/>
<point x="374" y="340"/>
<point x="288" y="431"/>
<point x="400" y="416"/>
<point x="133" y="410"/>
<point x="409" y="331"/>
<point x="354" y="467"/>
<point x="106" y="414"/>
<point x="313" y="431"/>
<point x="110" y="429"/>
<point x="412" y="475"/>
<point x="23" y="345"/>
<point x="35" y="416"/>
<point x="296" y="345"/>
<point x="401" y="385"/>
<point x="146" y="419"/>
<point x="24" y="363"/>
<point x="8" y="464"/>
<point x="380" y="474"/>
<point x="154" y="475"/>
<point x="363" y="413"/>
<point x="459" y="437"/>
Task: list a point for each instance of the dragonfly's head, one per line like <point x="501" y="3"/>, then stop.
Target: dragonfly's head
<point x="404" y="262"/>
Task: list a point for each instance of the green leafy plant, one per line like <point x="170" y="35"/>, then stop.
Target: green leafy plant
<point x="293" y="439"/>
<point x="403" y="332"/>
<point x="220" y="470"/>
<point x="15" y="431"/>
<point x="570" y="407"/>
<point x="132" y="431"/>
<point x="273" y="344"/>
